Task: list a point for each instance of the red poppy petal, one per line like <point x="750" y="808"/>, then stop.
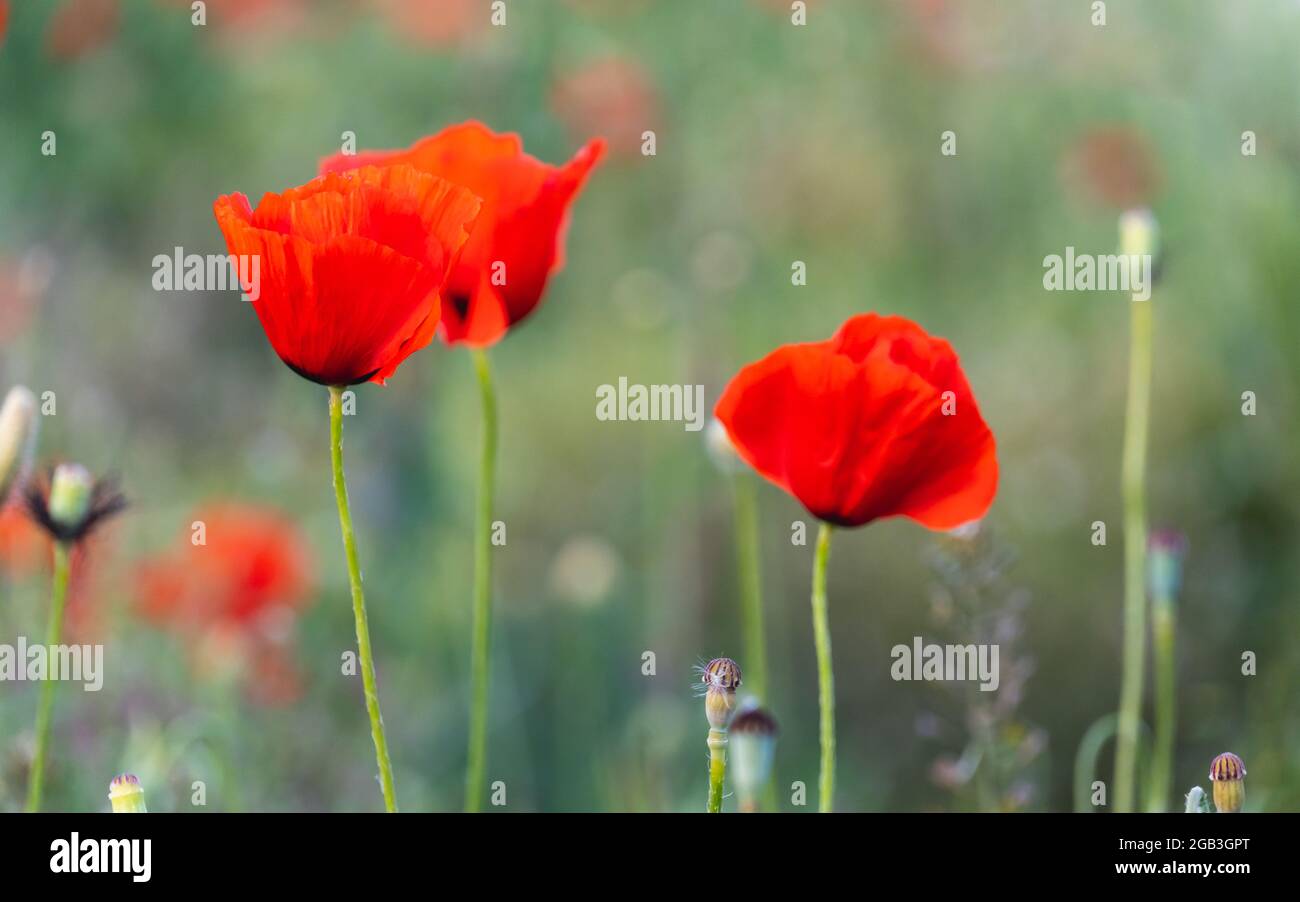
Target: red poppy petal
<point x="877" y="422"/>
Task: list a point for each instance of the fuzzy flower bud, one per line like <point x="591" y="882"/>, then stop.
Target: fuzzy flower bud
<point x="753" y="741"/>
<point x="1165" y="551"/>
<point x="17" y="437"/>
<point x="721" y="677"/>
<point x="1229" y="775"/>
<point x="70" y="492"/>
<point x="127" y="795"/>
<point x="1139" y="235"/>
<point x="1196" y="802"/>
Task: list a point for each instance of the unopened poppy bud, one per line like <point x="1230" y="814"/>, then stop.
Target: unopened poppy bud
<point x="17" y="437"/>
<point x="1165" y="551"/>
<point x="721" y="677"/>
<point x="1229" y="775"/>
<point x="71" y="489"/>
<point x="1139" y="236"/>
<point x="127" y="795"/>
<point x="1196" y="802"/>
<point x="753" y="743"/>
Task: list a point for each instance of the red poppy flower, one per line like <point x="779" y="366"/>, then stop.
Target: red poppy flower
<point x="79" y="27"/>
<point x="23" y="546"/>
<point x="234" y="598"/>
<point x="252" y="562"/>
<point x="4" y="18"/>
<point x="517" y="240"/>
<point x="349" y="267"/>
<point x="879" y="421"/>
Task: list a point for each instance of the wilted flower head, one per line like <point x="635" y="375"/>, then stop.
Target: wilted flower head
<point x="17" y="437"/>
<point x="1229" y="775"/>
<point x="70" y="503"/>
<point x="127" y="795"/>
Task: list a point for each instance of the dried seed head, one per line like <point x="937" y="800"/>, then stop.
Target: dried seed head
<point x="1229" y="775"/>
<point x="18" y="423"/>
<point x="127" y="795"/>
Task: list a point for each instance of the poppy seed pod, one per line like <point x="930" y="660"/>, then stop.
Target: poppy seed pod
<point x="127" y="795"/>
<point x="753" y="733"/>
<point x="1229" y="775"/>
<point x="70" y="492"/>
<point x="71" y="502"/>
<point x="17" y="437"/>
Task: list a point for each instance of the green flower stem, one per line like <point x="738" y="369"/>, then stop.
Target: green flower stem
<point x="1162" y="637"/>
<point x="481" y="639"/>
<point x="750" y="577"/>
<point x="717" y="768"/>
<point x="1085" y="759"/>
<point x="825" y="677"/>
<point x="1133" y="478"/>
<point x="45" y="708"/>
<point x="359" y="601"/>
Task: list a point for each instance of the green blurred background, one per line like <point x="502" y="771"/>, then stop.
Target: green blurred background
<point x="775" y="143"/>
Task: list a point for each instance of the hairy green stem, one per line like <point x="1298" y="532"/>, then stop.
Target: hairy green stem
<point x="359" y="601"/>
<point x="1133" y="476"/>
<point x="717" y="768"/>
<point x="749" y="574"/>
<point x="45" y="707"/>
<point x="1162" y="637"/>
<point x="481" y="638"/>
<point x="825" y="676"/>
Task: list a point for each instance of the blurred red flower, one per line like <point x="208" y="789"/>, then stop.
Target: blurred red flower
<point x="79" y="27"/>
<point x="442" y="24"/>
<point x="24" y="546"/>
<point x="4" y="19"/>
<point x="518" y="238"/>
<point x="234" y="598"/>
<point x="612" y="96"/>
<point x="349" y="266"/>
<point x="876" y="422"/>
<point x="1113" y="164"/>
